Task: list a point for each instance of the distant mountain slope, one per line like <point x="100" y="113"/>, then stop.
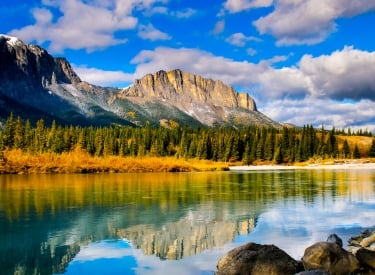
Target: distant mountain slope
<point x="34" y="84"/>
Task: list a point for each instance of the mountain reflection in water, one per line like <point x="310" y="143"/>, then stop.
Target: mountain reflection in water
<point x="135" y="222"/>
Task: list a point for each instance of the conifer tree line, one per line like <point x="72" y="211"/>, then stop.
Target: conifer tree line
<point x="218" y="144"/>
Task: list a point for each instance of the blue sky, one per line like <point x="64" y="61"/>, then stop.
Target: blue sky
<point x="304" y="61"/>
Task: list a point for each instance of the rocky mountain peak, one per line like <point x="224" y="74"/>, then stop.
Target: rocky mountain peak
<point x="183" y="87"/>
<point x="209" y="102"/>
<point x="33" y="64"/>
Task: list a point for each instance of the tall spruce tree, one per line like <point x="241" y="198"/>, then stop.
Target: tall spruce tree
<point x="356" y="153"/>
<point x="371" y="153"/>
<point x="346" y="149"/>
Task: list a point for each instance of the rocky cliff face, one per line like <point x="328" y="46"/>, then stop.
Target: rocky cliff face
<point x="34" y="84"/>
<point x="185" y="89"/>
<point x="32" y="66"/>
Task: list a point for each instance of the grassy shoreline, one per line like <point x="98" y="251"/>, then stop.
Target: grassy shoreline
<point x="78" y="161"/>
<point x="18" y="162"/>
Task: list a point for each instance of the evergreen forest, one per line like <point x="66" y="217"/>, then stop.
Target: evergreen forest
<point x="245" y="145"/>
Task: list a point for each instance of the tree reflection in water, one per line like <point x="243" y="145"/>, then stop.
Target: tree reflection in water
<point x="49" y="220"/>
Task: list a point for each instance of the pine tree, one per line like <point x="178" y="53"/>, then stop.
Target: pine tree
<point x="28" y="136"/>
<point x="346" y="149"/>
<point x="40" y="137"/>
<point x="269" y="145"/>
<point x="8" y="134"/>
<point x="19" y="134"/>
<point x="2" y="147"/>
<point x="278" y="155"/>
<point x="371" y="153"/>
<point x="356" y="153"/>
<point x="334" y="149"/>
<point x="246" y="159"/>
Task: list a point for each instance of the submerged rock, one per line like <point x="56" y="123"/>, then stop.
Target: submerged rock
<point x="330" y="257"/>
<point x="257" y="259"/>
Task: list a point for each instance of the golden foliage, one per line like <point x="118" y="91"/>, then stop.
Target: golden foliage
<point x="363" y="142"/>
<point x="79" y="161"/>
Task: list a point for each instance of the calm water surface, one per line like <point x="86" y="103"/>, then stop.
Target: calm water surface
<point x="178" y="223"/>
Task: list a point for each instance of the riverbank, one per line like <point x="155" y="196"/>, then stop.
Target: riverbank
<point x="354" y="164"/>
<point x="79" y="161"/>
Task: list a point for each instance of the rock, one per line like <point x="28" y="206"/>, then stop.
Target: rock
<point x="256" y="259"/>
<point x="330" y="257"/>
<point x="333" y="238"/>
<point x="366" y="257"/>
<point x="366" y="239"/>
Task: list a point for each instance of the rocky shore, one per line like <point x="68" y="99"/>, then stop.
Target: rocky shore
<point x="317" y="166"/>
<point x="322" y="258"/>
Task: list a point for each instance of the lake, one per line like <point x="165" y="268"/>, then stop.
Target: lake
<point x="172" y="223"/>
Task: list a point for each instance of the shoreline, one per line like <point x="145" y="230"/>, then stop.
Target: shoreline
<point x="344" y="166"/>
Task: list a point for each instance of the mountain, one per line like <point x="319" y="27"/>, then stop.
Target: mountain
<point x="35" y="85"/>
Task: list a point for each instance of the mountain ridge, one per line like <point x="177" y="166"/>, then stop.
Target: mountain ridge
<point x="32" y="78"/>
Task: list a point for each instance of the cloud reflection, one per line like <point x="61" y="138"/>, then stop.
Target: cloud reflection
<point x="295" y="226"/>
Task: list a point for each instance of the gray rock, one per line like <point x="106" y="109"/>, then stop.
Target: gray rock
<point x="256" y="259"/>
<point x="329" y="257"/>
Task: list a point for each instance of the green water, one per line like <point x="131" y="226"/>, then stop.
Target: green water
<point x="172" y="222"/>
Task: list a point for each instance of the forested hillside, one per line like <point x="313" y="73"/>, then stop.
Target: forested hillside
<point x="247" y="145"/>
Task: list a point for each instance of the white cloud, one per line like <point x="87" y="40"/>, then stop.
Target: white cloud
<point x="278" y="58"/>
<point x="234" y="6"/>
<point x="292" y="225"/>
<point x="186" y="13"/>
<point x="219" y="27"/>
<point x="82" y="24"/>
<point x="104" y="250"/>
<point x="240" y="40"/>
<point x="125" y="7"/>
<point x="308" y="21"/>
<point x="322" y="111"/>
<point x="42" y="16"/>
<point x="204" y="63"/>
<point x="149" y="32"/>
<point x="101" y="77"/>
<point x="345" y="74"/>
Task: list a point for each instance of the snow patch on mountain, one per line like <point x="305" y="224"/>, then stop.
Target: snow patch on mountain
<point x="11" y="40"/>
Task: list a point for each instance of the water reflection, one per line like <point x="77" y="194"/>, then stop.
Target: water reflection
<point x="139" y="222"/>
